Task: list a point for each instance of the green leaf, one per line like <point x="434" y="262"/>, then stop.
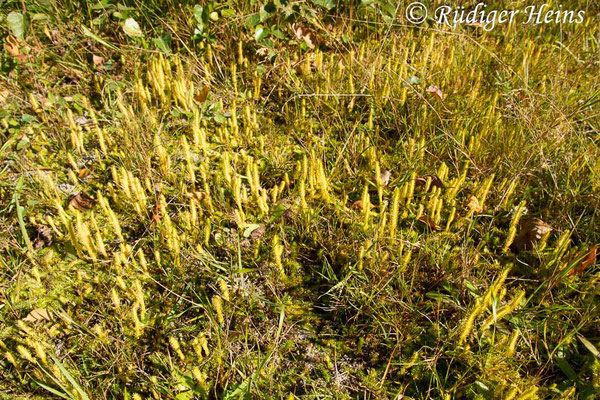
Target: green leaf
<point x="566" y="368"/>
<point x="71" y="380"/>
<point x="88" y="33"/>
<point x="227" y="12"/>
<point x="17" y="23"/>
<point x="131" y="28"/>
<point x="277" y="33"/>
<point x="278" y="212"/>
<point x="588" y="345"/>
<point x="52" y="390"/>
<point x="411" y="81"/>
<point x="40" y="17"/>
<point x="163" y="43"/>
<point x="24" y="142"/>
<point x="253" y="20"/>
<point x="260" y="33"/>
<point x="328" y="4"/>
<point x="238" y="391"/>
<point x="21" y="219"/>
<point x="28" y="118"/>
<point x="267" y="11"/>
<point x="201" y="14"/>
<point x="251" y="228"/>
<point x="187" y="395"/>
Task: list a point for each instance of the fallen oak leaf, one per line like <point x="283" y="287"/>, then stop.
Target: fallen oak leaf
<point x="82" y="202"/>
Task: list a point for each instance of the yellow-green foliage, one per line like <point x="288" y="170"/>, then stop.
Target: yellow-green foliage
<point x="268" y="218"/>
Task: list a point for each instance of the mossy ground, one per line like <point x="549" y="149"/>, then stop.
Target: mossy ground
<point x="296" y="200"/>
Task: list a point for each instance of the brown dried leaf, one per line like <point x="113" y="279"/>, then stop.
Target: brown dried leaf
<point x="38" y="314"/>
<point x="46" y="102"/>
<point x="436" y="91"/>
<point x="198" y="196"/>
<point x="258" y="232"/>
<point x="305" y="34"/>
<point x="427" y="220"/>
<point x="531" y="231"/>
<point x="82" y="202"/>
<point x="385" y="177"/>
<point x="83" y="173"/>
<point x="157" y="213"/>
<point x="358" y="205"/>
<point x="13" y="50"/>
<point x="421" y="181"/>
<point x="202" y="95"/>
<point x="589" y="259"/>
<point x="98" y="61"/>
<point x="4" y="93"/>
<point x="82" y="120"/>
<point x="44" y="236"/>
<point x="474" y="205"/>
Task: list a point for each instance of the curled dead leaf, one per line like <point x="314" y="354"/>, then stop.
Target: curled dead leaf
<point x="359" y="205"/>
<point x="305" y="34"/>
<point x="532" y="230"/>
<point x="254" y="231"/>
<point x="257" y="233"/>
<point x="589" y="259"/>
<point x="44" y="236"/>
<point x="98" y="61"/>
<point x="385" y="177"/>
<point x="83" y="173"/>
<point x="82" y="120"/>
<point x="38" y="314"/>
<point x="421" y="181"/>
<point x="4" y="93"/>
<point x="202" y="95"/>
<point x="427" y="220"/>
<point x="157" y="213"/>
<point x="435" y="91"/>
<point x="82" y="202"/>
<point x="12" y="47"/>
